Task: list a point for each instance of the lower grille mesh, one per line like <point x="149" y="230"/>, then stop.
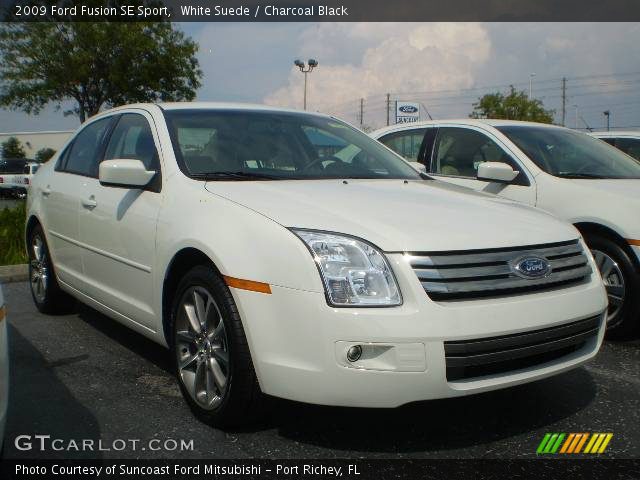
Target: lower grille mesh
<point x="490" y="356"/>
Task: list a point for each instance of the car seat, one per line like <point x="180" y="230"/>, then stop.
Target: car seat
<point x="448" y="166"/>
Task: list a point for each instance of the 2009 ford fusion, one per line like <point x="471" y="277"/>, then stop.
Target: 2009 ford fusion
<point x="239" y="238"/>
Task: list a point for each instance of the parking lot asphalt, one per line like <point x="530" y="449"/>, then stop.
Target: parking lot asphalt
<point x="84" y="376"/>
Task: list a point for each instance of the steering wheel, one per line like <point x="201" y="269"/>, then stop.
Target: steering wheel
<point x="582" y="168"/>
<point x="343" y="168"/>
<point x="319" y="160"/>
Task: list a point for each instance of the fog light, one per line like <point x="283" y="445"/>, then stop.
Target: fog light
<point x="354" y="353"/>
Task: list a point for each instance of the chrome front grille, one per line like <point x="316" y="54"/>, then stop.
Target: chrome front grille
<point x="481" y="273"/>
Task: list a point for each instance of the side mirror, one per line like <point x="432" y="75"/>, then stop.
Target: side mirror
<point x="496" y="172"/>
<point x="418" y="166"/>
<point x="126" y="173"/>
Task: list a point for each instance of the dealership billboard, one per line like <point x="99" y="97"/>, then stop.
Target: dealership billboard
<point x="407" y="112"/>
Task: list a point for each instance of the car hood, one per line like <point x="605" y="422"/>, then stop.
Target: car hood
<point x="398" y="216"/>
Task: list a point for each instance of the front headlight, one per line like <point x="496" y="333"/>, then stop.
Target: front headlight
<point x="354" y="272"/>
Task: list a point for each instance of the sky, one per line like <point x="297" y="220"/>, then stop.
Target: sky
<point x="443" y="66"/>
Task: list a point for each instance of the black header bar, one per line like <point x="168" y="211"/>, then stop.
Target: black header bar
<point x="322" y="10"/>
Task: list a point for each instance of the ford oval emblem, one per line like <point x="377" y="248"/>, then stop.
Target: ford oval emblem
<point x="532" y="267"/>
<point x="408" y="109"/>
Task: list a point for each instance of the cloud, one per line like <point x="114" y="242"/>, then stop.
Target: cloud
<point x="559" y="44"/>
<point x="393" y="57"/>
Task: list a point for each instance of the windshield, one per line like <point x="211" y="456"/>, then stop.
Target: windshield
<point x="565" y="153"/>
<point x="10" y="165"/>
<point x="240" y="144"/>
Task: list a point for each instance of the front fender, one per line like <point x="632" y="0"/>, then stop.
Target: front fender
<point x="240" y="242"/>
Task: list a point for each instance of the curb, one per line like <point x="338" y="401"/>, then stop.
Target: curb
<point x="14" y="273"/>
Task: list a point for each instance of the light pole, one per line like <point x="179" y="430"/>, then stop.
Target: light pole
<point x="576" y="107"/>
<point x="531" y="75"/>
<point x="607" y="114"/>
<point x="311" y="64"/>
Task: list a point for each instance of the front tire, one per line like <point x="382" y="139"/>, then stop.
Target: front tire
<point x="45" y="291"/>
<point x="621" y="280"/>
<point x="210" y="352"/>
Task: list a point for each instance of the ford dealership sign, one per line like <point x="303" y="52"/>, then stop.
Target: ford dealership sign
<point x="407" y="112"/>
<point x="408" y="109"/>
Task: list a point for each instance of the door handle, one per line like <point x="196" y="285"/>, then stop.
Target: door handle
<point x="46" y="191"/>
<point x="89" y="203"/>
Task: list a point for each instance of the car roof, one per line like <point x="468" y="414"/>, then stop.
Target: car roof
<point x="492" y="122"/>
<point x="212" y="106"/>
<point x="617" y="133"/>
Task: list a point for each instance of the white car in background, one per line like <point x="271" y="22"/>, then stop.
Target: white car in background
<point x="4" y="368"/>
<point x="30" y="170"/>
<point x="234" y="236"/>
<point x="572" y="175"/>
<point x="626" y="140"/>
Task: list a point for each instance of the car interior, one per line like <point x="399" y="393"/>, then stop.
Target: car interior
<point x="460" y="151"/>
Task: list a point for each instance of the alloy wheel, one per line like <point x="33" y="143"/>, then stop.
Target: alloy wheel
<point x="614" y="284"/>
<point x="39" y="271"/>
<point x="202" y="348"/>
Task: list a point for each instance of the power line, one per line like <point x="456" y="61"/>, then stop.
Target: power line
<point x="538" y="82"/>
<point x="552" y="91"/>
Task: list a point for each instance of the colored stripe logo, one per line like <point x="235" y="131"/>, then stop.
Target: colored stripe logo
<point x="571" y="443"/>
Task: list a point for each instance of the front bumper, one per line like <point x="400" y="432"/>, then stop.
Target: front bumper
<point x="298" y="343"/>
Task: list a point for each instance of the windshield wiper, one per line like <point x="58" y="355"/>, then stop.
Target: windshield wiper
<point x="234" y="176"/>
<point x="578" y="175"/>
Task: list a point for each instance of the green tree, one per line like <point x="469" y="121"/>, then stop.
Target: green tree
<point x="95" y="64"/>
<point x="44" y="154"/>
<point x="12" y="148"/>
<point x="514" y="106"/>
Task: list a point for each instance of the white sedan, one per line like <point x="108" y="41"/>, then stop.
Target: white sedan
<point x="234" y="236"/>
<point x="570" y="174"/>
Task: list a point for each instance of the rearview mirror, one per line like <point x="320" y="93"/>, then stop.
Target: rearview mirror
<point x="496" y="172"/>
<point x="125" y="173"/>
<point x="418" y="166"/>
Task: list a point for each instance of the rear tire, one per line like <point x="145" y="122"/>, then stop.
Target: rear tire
<point x="45" y="291"/>
<point x="210" y="353"/>
<point x="622" y="281"/>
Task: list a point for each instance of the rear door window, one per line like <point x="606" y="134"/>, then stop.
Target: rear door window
<point x="406" y="143"/>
